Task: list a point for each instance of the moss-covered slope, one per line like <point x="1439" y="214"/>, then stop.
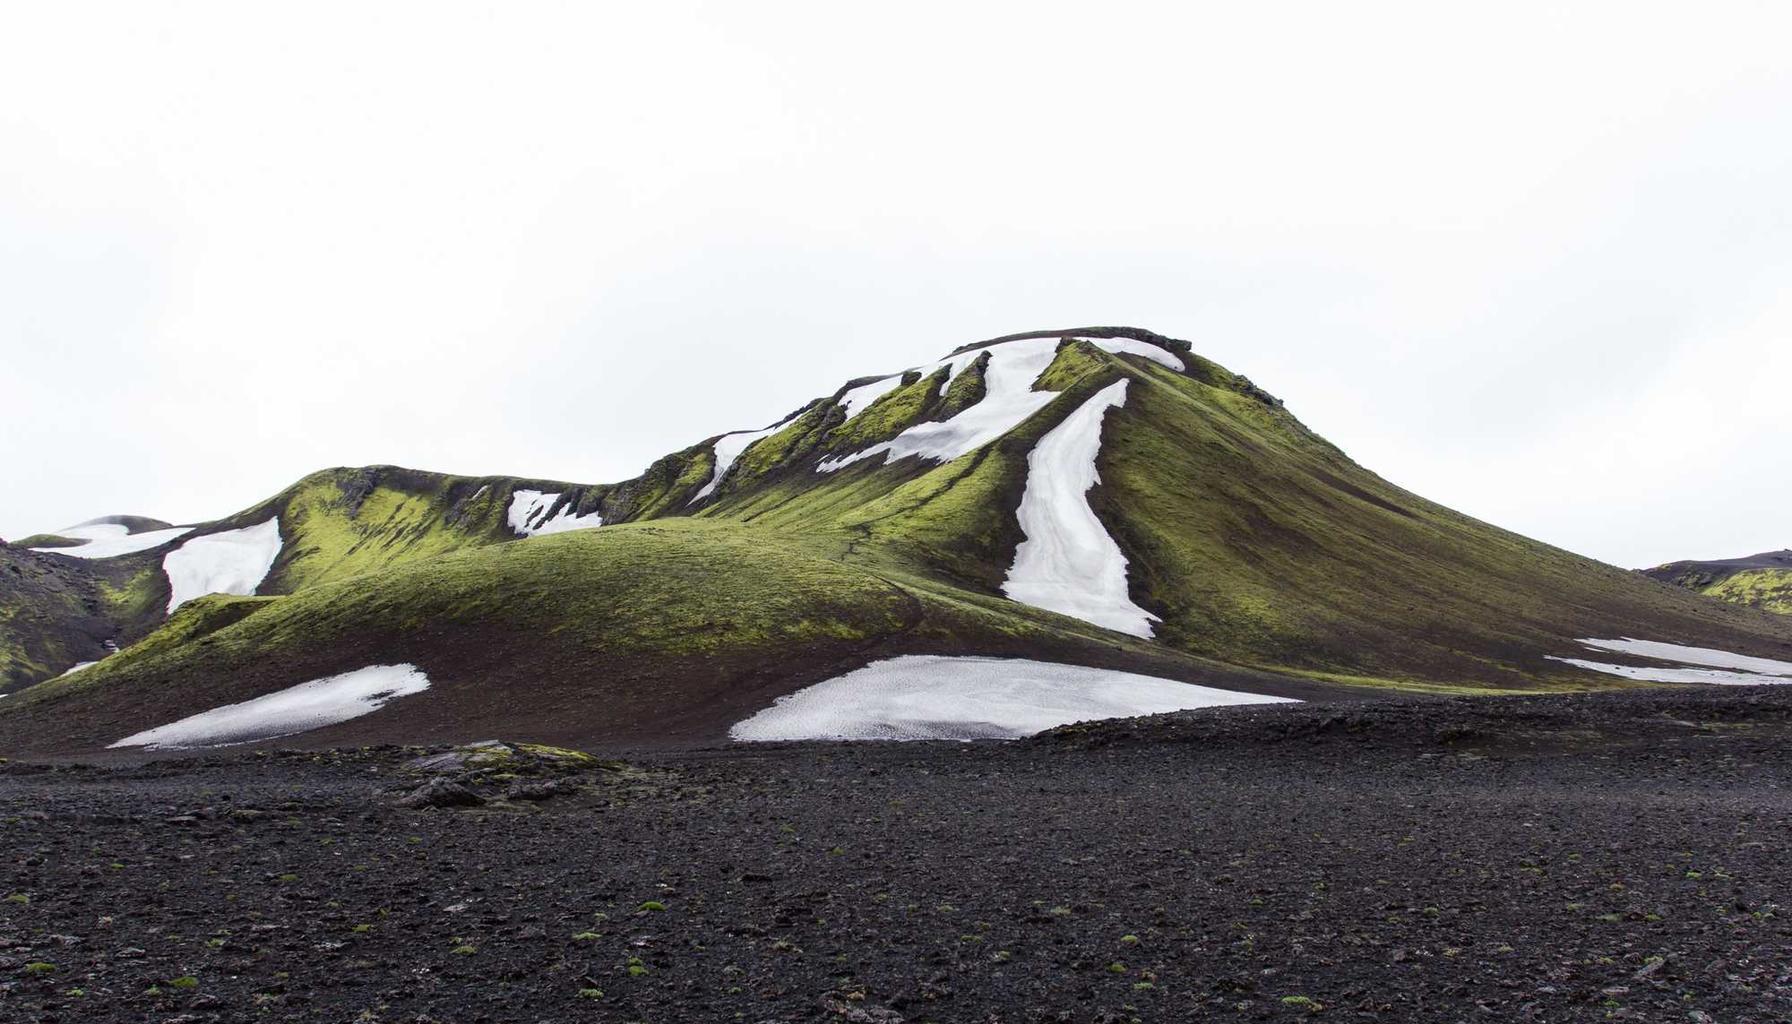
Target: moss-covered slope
<point x="1758" y="581"/>
<point x="56" y="612"/>
<point x="1256" y="541"/>
<point x="641" y="633"/>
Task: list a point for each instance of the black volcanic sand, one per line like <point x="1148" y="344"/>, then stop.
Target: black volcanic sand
<point x="1618" y="857"/>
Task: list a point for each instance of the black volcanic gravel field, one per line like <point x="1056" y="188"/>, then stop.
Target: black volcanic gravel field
<point x="1621" y="857"/>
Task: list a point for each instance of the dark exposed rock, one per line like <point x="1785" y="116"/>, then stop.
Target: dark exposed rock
<point x="442" y="793"/>
<point x="534" y="792"/>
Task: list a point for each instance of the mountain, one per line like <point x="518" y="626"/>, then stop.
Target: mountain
<point x="1759" y="581"/>
<point x="1100" y="497"/>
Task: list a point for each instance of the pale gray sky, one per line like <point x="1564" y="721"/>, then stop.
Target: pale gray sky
<point x="1530" y="260"/>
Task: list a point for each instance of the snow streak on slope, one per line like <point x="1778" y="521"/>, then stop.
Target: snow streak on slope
<point x="1688" y="664"/>
<point x="1068" y="563"/>
<point x="295" y="709"/>
<point x="231" y="562"/>
<point x="1008" y="399"/>
<point x="729" y="447"/>
<point x="108" y="540"/>
<point x="529" y="515"/>
<point x="858" y="399"/>
<point x="928" y="697"/>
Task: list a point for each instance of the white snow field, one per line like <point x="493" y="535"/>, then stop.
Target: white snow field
<point x="932" y="697"/>
<point x="729" y="447"/>
<point x="295" y="709"/>
<point x="230" y="562"/>
<point x="1008" y="399"/>
<point x="1689" y="664"/>
<point x="109" y="540"/>
<point x="528" y="515"/>
<point x="1068" y="563"/>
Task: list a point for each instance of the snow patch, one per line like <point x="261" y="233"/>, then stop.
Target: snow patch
<point x="529" y="517"/>
<point x="76" y="667"/>
<point x="1068" y="563"/>
<point x="295" y="709"/>
<point x="109" y="540"/>
<point x="730" y="447"/>
<point x="1708" y="656"/>
<point x="1688" y="664"/>
<point x="1008" y="399"/>
<point x="1665" y="674"/>
<point x="858" y="399"/>
<point x="931" y="697"/>
<point x="229" y="562"/>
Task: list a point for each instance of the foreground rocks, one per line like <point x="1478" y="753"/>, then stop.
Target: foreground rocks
<point x="1552" y="859"/>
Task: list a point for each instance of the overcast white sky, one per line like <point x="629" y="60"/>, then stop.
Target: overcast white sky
<point x="1530" y="262"/>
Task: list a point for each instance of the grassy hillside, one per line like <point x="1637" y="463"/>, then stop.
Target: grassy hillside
<point x="1759" y="581"/>
<point x="1256" y="541"/>
<point x="56" y="611"/>
<point x="649" y="632"/>
<point x="1768" y="589"/>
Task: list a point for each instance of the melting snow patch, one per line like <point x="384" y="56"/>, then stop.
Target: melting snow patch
<point x="296" y="709"/>
<point x="529" y="515"/>
<point x="230" y="562"/>
<point x="928" y="697"/>
<point x="860" y="398"/>
<point x="1068" y="562"/>
<point x="1008" y="399"/>
<point x="76" y="667"/>
<point x="1690" y="664"/>
<point x="730" y="447"/>
<point x="109" y="540"/>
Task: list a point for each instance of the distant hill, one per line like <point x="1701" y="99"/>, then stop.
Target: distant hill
<point x="1759" y="581"/>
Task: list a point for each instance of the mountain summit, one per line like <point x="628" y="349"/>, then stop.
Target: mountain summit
<point x="1102" y="498"/>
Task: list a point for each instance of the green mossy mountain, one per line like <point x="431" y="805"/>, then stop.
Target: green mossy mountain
<point x="1758" y="581"/>
<point x="1271" y="560"/>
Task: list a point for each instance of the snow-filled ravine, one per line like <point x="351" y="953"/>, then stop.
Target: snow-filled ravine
<point x="1008" y="398"/>
<point x="1684" y="664"/>
<point x="296" y="709"/>
<point x="529" y="515"/>
<point x="227" y="562"/>
<point x="1068" y="563"/>
<point x="730" y="447"/>
<point x="932" y="697"/>
<point x="109" y="540"/>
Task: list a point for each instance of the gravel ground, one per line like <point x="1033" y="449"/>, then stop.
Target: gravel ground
<point x="1619" y="857"/>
